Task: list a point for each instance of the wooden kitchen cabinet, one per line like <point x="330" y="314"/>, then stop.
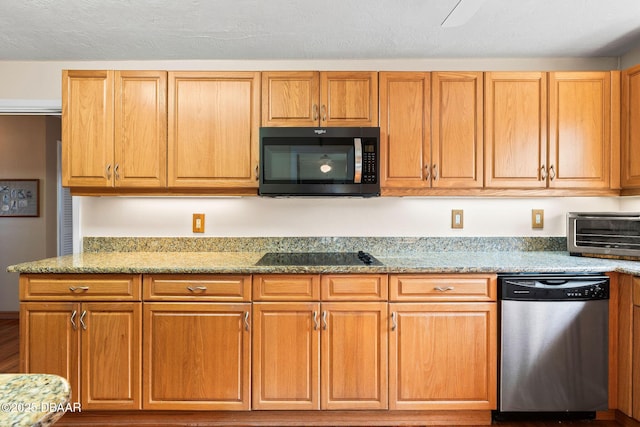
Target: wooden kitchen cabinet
<point x="114" y="129"/>
<point x="314" y="355"/>
<point x="515" y="132"/>
<point x="442" y="355"/>
<point x="636" y="348"/>
<point x="431" y="131"/>
<point x="213" y="126"/>
<point x="326" y="98"/>
<point x="95" y="345"/>
<point x="630" y="120"/>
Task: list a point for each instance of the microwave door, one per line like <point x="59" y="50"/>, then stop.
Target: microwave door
<point x="357" y="175"/>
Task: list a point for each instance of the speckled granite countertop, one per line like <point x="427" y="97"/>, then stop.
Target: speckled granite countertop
<point x="244" y="263"/>
<point x="32" y="399"/>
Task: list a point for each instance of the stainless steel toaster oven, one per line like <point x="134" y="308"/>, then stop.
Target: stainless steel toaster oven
<point x="604" y="233"/>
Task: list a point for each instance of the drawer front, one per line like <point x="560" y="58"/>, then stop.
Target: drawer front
<point x="200" y="287"/>
<point x="80" y="287"/>
<point x="355" y="287"/>
<point x="442" y="287"/>
<point x="286" y="287"/>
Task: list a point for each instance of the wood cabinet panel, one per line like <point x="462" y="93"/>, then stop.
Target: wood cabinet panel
<point x="200" y="287"/>
<point x="456" y="346"/>
<point x="87" y="128"/>
<point x="354" y="355"/>
<point x="354" y="287"/>
<point x="286" y="356"/>
<point x="457" y="130"/>
<point x="636" y="363"/>
<point x="348" y="98"/>
<point x="625" y="343"/>
<point x="290" y="98"/>
<point x="286" y="287"/>
<point x="196" y="356"/>
<point x="442" y="287"/>
<point x="140" y="129"/>
<point x="111" y="355"/>
<point x="579" y="129"/>
<point x="630" y="122"/>
<point x="515" y="129"/>
<point x="72" y="287"/>
<point x="405" y="130"/>
<point x="213" y="122"/>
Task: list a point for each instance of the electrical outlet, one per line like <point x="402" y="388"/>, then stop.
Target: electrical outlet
<point x="457" y="218"/>
<point x="537" y="218"/>
<point x="198" y="223"/>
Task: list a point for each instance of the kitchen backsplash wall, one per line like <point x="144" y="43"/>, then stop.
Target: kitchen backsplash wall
<point x="327" y="217"/>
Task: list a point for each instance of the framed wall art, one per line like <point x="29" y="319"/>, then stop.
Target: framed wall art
<point x="19" y="197"/>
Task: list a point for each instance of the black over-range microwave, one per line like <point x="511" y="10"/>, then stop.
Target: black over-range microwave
<point x="306" y="161"/>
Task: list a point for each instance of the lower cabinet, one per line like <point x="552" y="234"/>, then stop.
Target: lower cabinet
<point x="636" y="349"/>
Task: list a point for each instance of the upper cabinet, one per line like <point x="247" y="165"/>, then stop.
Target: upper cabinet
<point x="114" y="128"/>
<point x="631" y="129"/>
<point x="214" y="120"/>
<point x="430" y="131"/>
<point x="327" y="98"/>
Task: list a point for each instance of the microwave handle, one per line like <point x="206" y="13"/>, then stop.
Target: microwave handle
<point x="357" y="174"/>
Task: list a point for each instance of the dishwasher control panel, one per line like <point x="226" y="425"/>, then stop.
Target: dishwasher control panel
<point x="554" y="287"/>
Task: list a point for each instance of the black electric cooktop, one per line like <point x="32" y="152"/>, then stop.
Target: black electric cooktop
<point x="318" y="258"/>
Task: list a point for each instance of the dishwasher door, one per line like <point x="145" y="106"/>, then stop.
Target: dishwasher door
<point x="554" y="356"/>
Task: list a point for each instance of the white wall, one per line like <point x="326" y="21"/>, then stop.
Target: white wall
<point x="630" y="59"/>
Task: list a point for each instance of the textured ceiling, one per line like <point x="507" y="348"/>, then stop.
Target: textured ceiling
<point x="304" y="29"/>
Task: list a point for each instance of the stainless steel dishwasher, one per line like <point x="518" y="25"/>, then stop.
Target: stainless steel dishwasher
<point x="554" y="342"/>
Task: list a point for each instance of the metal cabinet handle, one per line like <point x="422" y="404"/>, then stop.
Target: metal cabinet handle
<point x="543" y="173"/>
<point x="428" y="171"/>
<point x="73" y="320"/>
<point x="197" y="288"/>
<point x="324" y="320"/>
<point x="394" y="321"/>
<point x="84" y="326"/>
<point x="116" y="171"/>
<point x="552" y="173"/>
<point x="441" y="289"/>
<point x="246" y="320"/>
<point x="315" y="112"/>
<point x="316" y="325"/>
<point x="78" y="288"/>
<point x="108" y="171"/>
<point x="323" y="111"/>
<point x="257" y="172"/>
<point x="435" y="172"/>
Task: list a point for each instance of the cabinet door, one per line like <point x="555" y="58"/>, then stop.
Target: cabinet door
<point x="348" y="98"/>
<point x="50" y="339"/>
<point x="515" y="129"/>
<point x="111" y="355"/>
<point x="625" y="341"/>
<point x="457" y="129"/>
<point x="196" y="356"/>
<point x="443" y="356"/>
<point x="354" y="355"/>
<point x="87" y="128"/>
<point x="579" y="129"/>
<point x="140" y="129"/>
<point x="405" y="133"/>
<point x="214" y="120"/>
<point x="631" y="128"/>
<point x="290" y="98"/>
<point x="636" y="362"/>
<point x="286" y="356"/>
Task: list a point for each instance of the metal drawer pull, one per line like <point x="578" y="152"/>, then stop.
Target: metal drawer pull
<point x="543" y="173"/>
<point x="394" y="321"/>
<point x="197" y="288"/>
<point x="315" y="111"/>
<point x="108" y="171"/>
<point x="552" y="173"/>
<point x="78" y="288"/>
<point x="323" y="111"/>
<point x="435" y="172"/>
<point x="316" y="325"/>
<point x="73" y="320"/>
<point x="84" y="326"/>
<point x="440" y="289"/>
<point x="324" y="320"/>
<point x="246" y="320"/>
<point x="428" y="170"/>
<point x="116" y="171"/>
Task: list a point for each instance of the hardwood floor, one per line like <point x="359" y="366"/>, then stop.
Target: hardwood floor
<point x="9" y="363"/>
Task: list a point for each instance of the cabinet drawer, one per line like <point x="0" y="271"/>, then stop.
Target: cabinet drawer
<point x="442" y="287"/>
<point x="355" y="287"/>
<point x="201" y="287"/>
<point x="290" y="287"/>
<point x="636" y="291"/>
<point x="80" y="287"/>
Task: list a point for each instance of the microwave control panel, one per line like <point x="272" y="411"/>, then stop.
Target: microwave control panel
<point x="369" y="163"/>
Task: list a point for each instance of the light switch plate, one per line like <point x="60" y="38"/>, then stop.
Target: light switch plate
<point x="457" y="218"/>
<point x="537" y="218"/>
<point x="198" y="223"/>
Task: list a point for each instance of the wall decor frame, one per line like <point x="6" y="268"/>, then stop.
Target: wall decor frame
<point x="19" y="198"/>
